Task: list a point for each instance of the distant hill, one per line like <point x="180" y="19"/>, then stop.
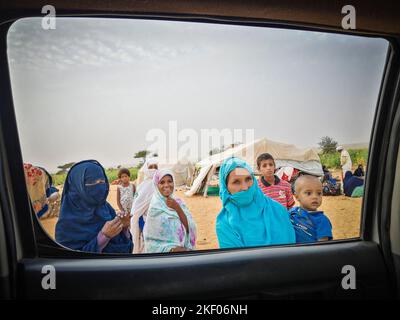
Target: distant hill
<point x="356" y="146"/>
<point x="352" y="146"/>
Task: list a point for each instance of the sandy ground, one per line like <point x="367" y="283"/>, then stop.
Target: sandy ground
<point x="343" y="212"/>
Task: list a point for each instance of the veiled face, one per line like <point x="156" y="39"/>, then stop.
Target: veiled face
<point x="95" y="184"/>
<point x="238" y="180"/>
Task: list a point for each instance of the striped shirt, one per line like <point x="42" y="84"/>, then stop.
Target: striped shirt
<point x="280" y="191"/>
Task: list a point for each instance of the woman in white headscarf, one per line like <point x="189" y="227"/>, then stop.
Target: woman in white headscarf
<point x="170" y="226"/>
<point x="141" y="204"/>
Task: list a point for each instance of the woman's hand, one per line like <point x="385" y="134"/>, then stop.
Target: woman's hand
<point x="37" y="206"/>
<point x="171" y="203"/>
<point x="182" y="216"/>
<point x="125" y="218"/>
<point x="112" y="228"/>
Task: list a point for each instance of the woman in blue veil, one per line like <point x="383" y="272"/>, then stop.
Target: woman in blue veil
<point x="248" y="217"/>
<point x="87" y="222"/>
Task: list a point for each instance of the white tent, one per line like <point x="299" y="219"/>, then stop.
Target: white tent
<point x="182" y="169"/>
<point x="285" y="155"/>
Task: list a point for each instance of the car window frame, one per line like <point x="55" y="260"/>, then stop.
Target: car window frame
<point x="39" y="244"/>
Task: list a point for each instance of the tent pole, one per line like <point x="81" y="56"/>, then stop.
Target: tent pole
<point x="210" y="174"/>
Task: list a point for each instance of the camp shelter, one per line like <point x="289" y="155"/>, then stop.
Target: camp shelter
<point x="285" y="155"/>
<point x="182" y="169"/>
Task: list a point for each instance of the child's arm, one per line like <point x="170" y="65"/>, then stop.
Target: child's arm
<point x="119" y="201"/>
<point x="324" y="229"/>
<point x="289" y="199"/>
<point x="134" y="189"/>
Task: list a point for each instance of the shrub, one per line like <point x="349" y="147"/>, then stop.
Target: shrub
<point x="327" y="145"/>
<point x="112" y="174"/>
<point x="332" y="160"/>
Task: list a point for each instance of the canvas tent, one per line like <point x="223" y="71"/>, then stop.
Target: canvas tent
<point x="182" y="169"/>
<point x="286" y="155"/>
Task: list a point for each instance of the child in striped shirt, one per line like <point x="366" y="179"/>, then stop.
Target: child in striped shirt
<point x="273" y="187"/>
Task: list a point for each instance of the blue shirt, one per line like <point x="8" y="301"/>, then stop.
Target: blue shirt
<point x="310" y="226"/>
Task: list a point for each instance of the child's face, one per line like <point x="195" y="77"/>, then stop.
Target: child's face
<point x="239" y="180"/>
<point x="267" y="168"/>
<point x="124" y="178"/>
<point x="309" y="195"/>
<point x="166" y="186"/>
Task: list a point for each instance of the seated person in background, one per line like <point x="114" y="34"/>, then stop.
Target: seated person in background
<point x="351" y="183"/>
<point x="42" y="193"/>
<point x="330" y="186"/>
<point x="273" y="187"/>
<point x="309" y="224"/>
<point x="327" y="174"/>
<point x="87" y="221"/>
<point x="359" y="172"/>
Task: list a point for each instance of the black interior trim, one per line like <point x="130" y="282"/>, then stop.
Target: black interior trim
<point x="389" y="179"/>
<point x="371" y="16"/>
<point x="258" y="273"/>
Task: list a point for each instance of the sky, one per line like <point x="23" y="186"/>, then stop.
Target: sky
<point x="98" y="88"/>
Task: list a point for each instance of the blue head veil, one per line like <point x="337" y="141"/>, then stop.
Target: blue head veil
<point x="249" y="218"/>
<point x="85" y="210"/>
<point x="350" y="182"/>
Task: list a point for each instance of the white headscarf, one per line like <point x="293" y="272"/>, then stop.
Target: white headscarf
<point x="164" y="229"/>
<point x="141" y="203"/>
<point x="149" y="173"/>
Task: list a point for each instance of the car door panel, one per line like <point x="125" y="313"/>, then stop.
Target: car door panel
<point x="262" y="273"/>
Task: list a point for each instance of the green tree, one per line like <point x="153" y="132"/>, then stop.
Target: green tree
<point x="328" y="145"/>
<point x="141" y="155"/>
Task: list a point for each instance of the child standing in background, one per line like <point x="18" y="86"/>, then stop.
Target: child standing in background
<point x="273" y="187"/>
<point x="125" y="191"/>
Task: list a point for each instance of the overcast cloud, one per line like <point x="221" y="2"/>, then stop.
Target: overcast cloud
<point x="93" y="88"/>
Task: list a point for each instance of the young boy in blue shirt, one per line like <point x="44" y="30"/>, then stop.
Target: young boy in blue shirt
<point x="309" y="224"/>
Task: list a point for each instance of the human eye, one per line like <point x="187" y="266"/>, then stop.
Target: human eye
<point x="93" y="183"/>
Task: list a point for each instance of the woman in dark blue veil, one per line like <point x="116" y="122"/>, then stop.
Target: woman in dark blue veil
<point x="87" y="221"/>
